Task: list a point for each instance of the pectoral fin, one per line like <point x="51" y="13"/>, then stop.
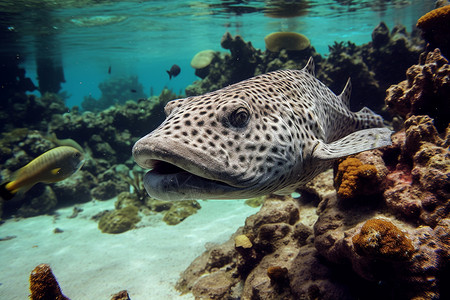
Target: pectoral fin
<point x="55" y="171"/>
<point x="353" y="143"/>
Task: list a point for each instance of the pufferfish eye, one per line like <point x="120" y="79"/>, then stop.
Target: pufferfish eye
<point x="239" y="117"/>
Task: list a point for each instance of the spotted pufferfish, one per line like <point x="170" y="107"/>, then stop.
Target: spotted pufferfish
<point x="272" y="133"/>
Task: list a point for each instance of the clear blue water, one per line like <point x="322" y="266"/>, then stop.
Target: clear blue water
<point x="145" y="38"/>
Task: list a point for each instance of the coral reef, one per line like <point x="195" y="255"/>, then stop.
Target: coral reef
<point x="373" y="67"/>
<point x="425" y="91"/>
<point x="417" y="186"/>
<point x="115" y="90"/>
<point x="43" y="284"/>
<point x="382" y="231"/>
<point x="28" y="111"/>
<point x="435" y="29"/>
<point x="106" y="139"/>
<point x="244" y="61"/>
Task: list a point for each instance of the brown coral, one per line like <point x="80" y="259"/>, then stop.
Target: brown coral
<point x="43" y="284"/>
<point x="436" y="30"/>
<point x="381" y="239"/>
<point x="435" y="18"/>
<point x="354" y="178"/>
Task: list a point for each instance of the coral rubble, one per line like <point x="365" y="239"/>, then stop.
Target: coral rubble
<point x="43" y="284"/>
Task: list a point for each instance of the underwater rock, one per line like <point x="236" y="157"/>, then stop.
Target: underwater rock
<point x="75" y="189"/>
<point x="418" y="186"/>
<point x="38" y="201"/>
<point x="282" y="262"/>
<point x="380" y="35"/>
<point x="122" y="295"/>
<point x="43" y="284"/>
<point x="426" y="88"/>
<point x="108" y="189"/>
<point x="119" y="221"/>
<point x="180" y="210"/>
<point x="214" y="286"/>
<point x="125" y="199"/>
<point x="423" y="254"/>
<point x="435" y="29"/>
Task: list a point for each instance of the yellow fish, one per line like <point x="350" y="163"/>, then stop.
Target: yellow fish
<point x="52" y="166"/>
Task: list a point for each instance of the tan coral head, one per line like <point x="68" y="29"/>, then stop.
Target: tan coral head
<point x="291" y="41"/>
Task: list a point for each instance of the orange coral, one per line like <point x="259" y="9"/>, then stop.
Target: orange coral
<point x="435" y="18"/>
<point x="353" y="178"/>
<point x="382" y="239"/>
<point x="43" y="284"/>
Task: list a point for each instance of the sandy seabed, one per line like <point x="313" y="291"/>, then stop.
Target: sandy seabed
<point x="90" y="265"/>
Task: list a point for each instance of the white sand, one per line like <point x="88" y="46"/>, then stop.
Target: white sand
<point x="92" y="265"/>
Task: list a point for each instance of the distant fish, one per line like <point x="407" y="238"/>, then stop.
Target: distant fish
<point x="63" y="142"/>
<point x="174" y="71"/>
<point x="133" y="91"/>
<point x="109" y="70"/>
<point x="54" y="165"/>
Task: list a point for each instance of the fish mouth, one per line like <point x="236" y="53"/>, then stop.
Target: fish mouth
<point x="167" y="181"/>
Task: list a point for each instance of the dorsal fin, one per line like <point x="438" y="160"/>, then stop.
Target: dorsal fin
<point x="309" y="68"/>
<point x="346" y="92"/>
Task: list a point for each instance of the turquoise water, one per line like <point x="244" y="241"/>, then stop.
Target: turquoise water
<point x="95" y="41"/>
<point x="145" y="38"/>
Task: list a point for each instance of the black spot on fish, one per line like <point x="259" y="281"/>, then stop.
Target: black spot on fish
<point x="174" y="71"/>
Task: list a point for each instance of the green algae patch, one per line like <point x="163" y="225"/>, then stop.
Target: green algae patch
<point x="255" y="202"/>
<point x="120" y="220"/>
<point x="180" y="210"/>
